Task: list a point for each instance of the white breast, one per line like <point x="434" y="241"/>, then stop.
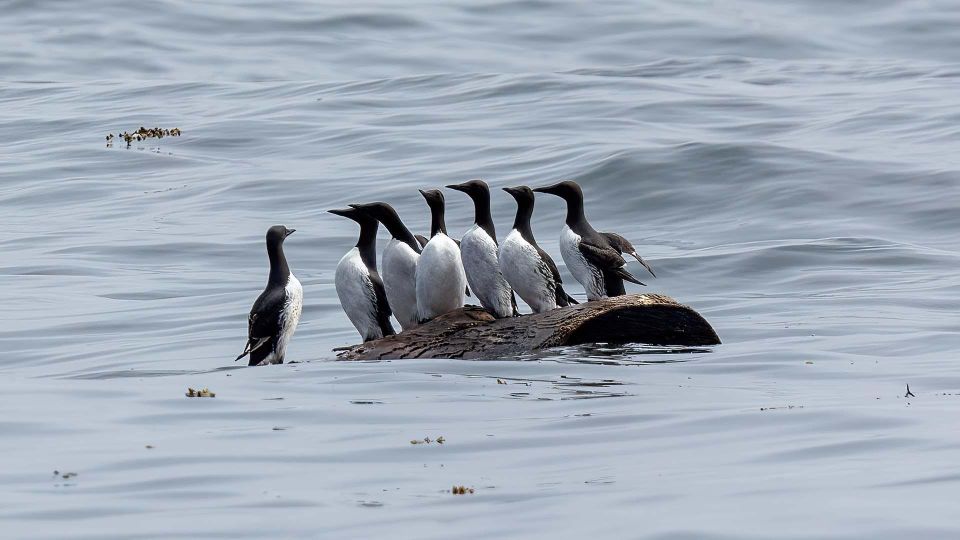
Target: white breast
<point x="584" y="272"/>
<point x="481" y="262"/>
<point x="289" y="318"/>
<point x="357" y="295"/>
<point x="440" y="278"/>
<point x="527" y="273"/>
<point x="400" y="281"/>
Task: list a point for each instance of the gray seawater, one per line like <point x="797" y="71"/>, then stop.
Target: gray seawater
<point x="790" y="169"/>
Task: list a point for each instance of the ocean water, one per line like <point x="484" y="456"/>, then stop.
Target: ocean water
<point x="790" y="169"/>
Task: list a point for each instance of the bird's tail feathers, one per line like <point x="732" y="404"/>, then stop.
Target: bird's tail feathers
<point x="627" y="276"/>
<point x="252" y="345"/>
<point x="643" y="262"/>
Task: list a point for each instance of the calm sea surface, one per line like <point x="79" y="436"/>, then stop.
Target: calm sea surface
<point x="790" y="169"/>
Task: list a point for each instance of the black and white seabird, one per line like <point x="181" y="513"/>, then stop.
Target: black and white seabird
<point x="399" y="263"/>
<point x="526" y="267"/>
<point x="358" y="284"/>
<point x="275" y="314"/>
<point x="594" y="258"/>
<point x="440" y="278"/>
<point x="480" y="253"/>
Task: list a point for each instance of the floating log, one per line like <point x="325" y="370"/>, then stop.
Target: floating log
<point x="471" y="332"/>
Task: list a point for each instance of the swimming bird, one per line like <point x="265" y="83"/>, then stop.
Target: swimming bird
<point x="480" y="253"/>
<point x="526" y="267"/>
<point x="399" y="263"/>
<point x="358" y="283"/>
<point x="594" y="258"/>
<point x="275" y="314"/>
<point x="440" y="278"/>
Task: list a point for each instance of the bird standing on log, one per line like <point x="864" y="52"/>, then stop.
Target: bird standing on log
<point x="440" y="279"/>
<point x="480" y="253"/>
<point x="594" y="258"/>
<point x="358" y="283"/>
<point x="275" y="314"/>
<point x="526" y="267"/>
<point x="399" y="263"/>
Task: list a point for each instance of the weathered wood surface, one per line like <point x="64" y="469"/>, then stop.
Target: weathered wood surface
<point x="471" y="332"/>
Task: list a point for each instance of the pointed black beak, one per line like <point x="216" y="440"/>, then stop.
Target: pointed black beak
<point x="343" y="212"/>
<point x="545" y="189"/>
<point x="458" y="187"/>
<point x="289" y="232"/>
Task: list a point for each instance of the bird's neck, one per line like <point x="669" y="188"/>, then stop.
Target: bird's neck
<point x="575" y="216"/>
<point x="367" y="244"/>
<point x="522" y="222"/>
<point x="482" y="216"/>
<point x="437" y="223"/>
<point x="279" y="271"/>
<point x="400" y="231"/>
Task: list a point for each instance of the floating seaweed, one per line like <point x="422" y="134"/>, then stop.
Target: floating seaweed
<point x="143" y="134"/>
<point x="205" y="392"/>
<point x="461" y="490"/>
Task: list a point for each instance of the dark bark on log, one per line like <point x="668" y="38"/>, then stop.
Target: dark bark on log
<point x="471" y="332"/>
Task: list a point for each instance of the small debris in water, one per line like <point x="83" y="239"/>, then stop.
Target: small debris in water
<point x="461" y="490"/>
<point x="428" y="440"/>
<point x="500" y="381"/>
<point x="790" y="407"/>
<point x="149" y="447"/>
<point x="205" y="392"/>
<point x="909" y="393"/>
<point x="66" y="475"/>
<point x="809" y="362"/>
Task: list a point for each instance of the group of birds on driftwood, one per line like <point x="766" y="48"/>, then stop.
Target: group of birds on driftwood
<point x="423" y="278"/>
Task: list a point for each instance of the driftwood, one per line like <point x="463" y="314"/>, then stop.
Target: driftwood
<point x="471" y="332"/>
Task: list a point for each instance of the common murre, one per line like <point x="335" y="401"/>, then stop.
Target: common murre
<point x="480" y="254"/>
<point x="440" y="278"/>
<point x="275" y="314"/>
<point x="358" y="283"/>
<point x="527" y="268"/>
<point x="594" y="258"/>
<point x="399" y="263"/>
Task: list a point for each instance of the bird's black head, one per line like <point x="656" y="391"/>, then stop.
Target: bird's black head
<point x="567" y="190"/>
<point x="277" y="233"/>
<point x="355" y="214"/>
<point x="380" y="211"/>
<point x="476" y="189"/>
<point x="385" y="214"/>
<point x="435" y="201"/>
<point x="434" y="198"/>
<point x="523" y="194"/>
